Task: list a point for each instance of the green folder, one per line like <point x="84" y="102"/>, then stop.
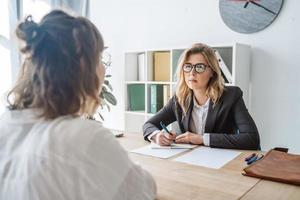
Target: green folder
<point x="136" y="97"/>
<point x="156" y="98"/>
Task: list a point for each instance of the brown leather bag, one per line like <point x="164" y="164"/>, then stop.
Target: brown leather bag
<point x="276" y="166"/>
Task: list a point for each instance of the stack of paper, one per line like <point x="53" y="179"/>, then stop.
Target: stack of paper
<point x="173" y="146"/>
<point x="160" y="153"/>
<point x="208" y="157"/>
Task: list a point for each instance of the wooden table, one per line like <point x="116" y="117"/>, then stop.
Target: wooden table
<point x="180" y="181"/>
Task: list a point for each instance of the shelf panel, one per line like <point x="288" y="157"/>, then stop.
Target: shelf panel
<point x="229" y="84"/>
<point x="135" y="82"/>
<point x="142" y="112"/>
<point x="135" y="64"/>
<point x="149" y="82"/>
<point x="150" y="114"/>
<point x="158" y="82"/>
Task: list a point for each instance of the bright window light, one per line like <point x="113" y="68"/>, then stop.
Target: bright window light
<point x="5" y="65"/>
<point x="5" y="75"/>
<point x="35" y="8"/>
<point x="4" y="19"/>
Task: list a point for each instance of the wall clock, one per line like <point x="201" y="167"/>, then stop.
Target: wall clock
<point x="249" y="16"/>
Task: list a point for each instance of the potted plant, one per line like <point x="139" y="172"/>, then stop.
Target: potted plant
<point x="107" y="98"/>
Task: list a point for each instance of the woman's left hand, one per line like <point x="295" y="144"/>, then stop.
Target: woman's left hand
<point x="189" y="137"/>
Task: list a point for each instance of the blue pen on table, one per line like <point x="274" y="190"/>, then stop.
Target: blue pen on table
<point x="251" y="160"/>
<point x="255" y="158"/>
<point x="250" y="156"/>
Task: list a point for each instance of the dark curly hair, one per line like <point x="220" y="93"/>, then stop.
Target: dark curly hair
<point x="59" y="71"/>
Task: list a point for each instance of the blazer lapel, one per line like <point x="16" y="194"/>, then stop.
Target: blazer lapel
<point x="212" y="115"/>
<point x="187" y="117"/>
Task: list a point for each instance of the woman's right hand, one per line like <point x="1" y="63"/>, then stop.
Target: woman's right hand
<point x="164" y="139"/>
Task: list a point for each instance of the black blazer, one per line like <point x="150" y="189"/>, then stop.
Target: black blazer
<point x="228" y="122"/>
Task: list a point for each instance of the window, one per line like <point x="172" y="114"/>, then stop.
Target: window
<point x="36" y="8"/>
<point x="5" y="66"/>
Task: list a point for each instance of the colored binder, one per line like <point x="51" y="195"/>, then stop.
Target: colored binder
<point x="156" y="98"/>
<point x="166" y="94"/>
<point x="161" y="66"/>
<point x="136" y="97"/>
<point x="141" y="67"/>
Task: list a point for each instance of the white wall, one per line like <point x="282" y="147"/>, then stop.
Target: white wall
<point x="275" y="74"/>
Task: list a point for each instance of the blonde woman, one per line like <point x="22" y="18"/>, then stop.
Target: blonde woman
<point x="207" y="112"/>
<point x="47" y="151"/>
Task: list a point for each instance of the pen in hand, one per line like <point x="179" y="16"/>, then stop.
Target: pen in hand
<point x="164" y="127"/>
<point x="170" y="135"/>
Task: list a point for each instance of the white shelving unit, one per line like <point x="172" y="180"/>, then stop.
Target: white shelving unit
<point x="139" y="70"/>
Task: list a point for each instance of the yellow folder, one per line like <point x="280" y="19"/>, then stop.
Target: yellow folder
<point x="161" y="66"/>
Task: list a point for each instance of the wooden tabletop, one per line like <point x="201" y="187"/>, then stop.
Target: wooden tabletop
<point x="180" y="181"/>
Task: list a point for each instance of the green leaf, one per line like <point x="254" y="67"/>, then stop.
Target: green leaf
<point x="110" y="87"/>
<point x="110" y="98"/>
<point x="102" y="118"/>
<point x="106" y="82"/>
<point x="103" y="103"/>
<point x="101" y="95"/>
<point x="108" y="107"/>
<point x="106" y="96"/>
<point x="107" y="64"/>
<point x="104" y="89"/>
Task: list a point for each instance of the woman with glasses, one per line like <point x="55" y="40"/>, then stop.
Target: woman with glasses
<point x="207" y="112"/>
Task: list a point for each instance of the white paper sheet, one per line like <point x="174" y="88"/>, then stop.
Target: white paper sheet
<point x="173" y="146"/>
<point x="208" y="157"/>
<point x="160" y="153"/>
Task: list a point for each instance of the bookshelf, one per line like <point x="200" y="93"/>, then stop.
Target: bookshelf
<point x="144" y="85"/>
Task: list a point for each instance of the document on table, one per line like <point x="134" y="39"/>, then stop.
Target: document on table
<point x="173" y="146"/>
<point x="208" y="157"/>
<point x="160" y="153"/>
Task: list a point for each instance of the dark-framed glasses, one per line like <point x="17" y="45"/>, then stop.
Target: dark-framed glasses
<point x="199" y="67"/>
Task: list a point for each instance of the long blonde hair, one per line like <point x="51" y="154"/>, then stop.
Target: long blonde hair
<point x="215" y="86"/>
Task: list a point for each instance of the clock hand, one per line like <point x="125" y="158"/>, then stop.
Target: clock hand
<point x="246" y="4"/>
<point x="259" y="5"/>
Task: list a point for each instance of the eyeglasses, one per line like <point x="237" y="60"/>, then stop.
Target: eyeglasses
<point x="199" y="67"/>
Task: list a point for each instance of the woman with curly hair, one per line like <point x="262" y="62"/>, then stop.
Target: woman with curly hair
<point x="47" y="149"/>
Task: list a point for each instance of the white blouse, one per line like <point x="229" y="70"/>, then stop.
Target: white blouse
<point x="65" y="158"/>
<point x="199" y="116"/>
